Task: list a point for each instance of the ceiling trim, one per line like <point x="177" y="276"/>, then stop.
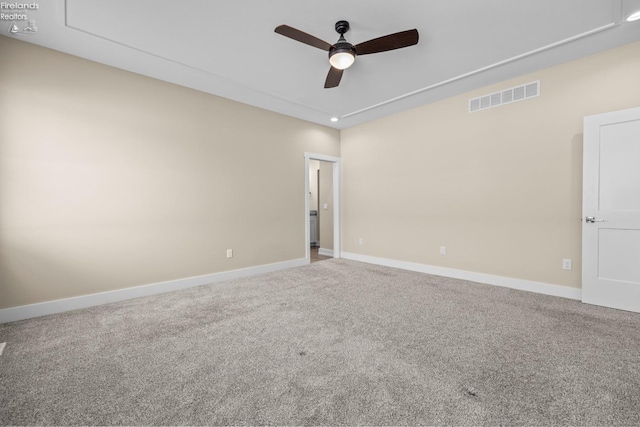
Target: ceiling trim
<point x="190" y="67"/>
<point x="486" y="68"/>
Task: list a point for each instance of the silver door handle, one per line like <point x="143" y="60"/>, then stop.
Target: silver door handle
<point x="592" y="219"/>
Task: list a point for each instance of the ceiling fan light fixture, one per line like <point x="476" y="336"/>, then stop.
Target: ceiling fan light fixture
<point x="342" y="58"/>
<point x="634" y="16"/>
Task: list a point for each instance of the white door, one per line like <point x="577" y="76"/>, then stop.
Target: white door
<point x="611" y="210"/>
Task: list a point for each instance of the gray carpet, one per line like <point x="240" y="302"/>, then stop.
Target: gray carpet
<point x="336" y="342"/>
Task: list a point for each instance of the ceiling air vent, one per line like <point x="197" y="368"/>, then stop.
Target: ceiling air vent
<point x="507" y="96"/>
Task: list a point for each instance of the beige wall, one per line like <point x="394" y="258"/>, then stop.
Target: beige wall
<point x="500" y="188"/>
<point x="314" y="166"/>
<point x="110" y="180"/>
<point x="326" y="197"/>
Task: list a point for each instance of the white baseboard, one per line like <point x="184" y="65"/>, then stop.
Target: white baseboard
<point x="58" y="306"/>
<point x="507" y="282"/>
<point x="325" y="252"/>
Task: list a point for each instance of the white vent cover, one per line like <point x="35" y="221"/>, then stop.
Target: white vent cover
<point x="507" y="96"/>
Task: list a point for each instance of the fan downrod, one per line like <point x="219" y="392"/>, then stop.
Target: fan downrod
<point x="342" y="27"/>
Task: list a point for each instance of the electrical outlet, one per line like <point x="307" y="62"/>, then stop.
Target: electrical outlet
<point x="443" y="250"/>
<point x="360" y="241"/>
<point x="566" y="264"/>
<point x="229" y="253"/>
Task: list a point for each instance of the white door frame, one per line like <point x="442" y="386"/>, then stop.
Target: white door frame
<point x="336" y="202"/>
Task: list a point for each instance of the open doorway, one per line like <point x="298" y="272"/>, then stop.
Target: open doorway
<point x="320" y="210"/>
<point x="322" y="207"/>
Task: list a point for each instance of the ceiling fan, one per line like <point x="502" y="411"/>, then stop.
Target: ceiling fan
<point x="342" y="54"/>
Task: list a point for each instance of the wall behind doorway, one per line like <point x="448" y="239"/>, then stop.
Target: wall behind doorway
<point x="326" y="214"/>
<point x="314" y="167"/>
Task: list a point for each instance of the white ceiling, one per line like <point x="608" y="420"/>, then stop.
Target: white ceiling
<point x="230" y="48"/>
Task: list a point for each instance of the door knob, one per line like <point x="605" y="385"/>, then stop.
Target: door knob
<point x="592" y="219"/>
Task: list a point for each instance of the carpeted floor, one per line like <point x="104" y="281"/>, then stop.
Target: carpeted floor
<point x="332" y="343"/>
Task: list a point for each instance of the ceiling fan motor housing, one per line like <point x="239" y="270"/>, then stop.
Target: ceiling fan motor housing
<point x="342" y="46"/>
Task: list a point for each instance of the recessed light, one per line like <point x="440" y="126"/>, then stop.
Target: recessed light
<point x="634" y="16"/>
<point x="334" y="119"/>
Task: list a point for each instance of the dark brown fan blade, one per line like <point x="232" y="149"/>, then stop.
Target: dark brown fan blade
<point x="389" y="42"/>
<point x="333" y="78"/>
<point x="302" y="37"/>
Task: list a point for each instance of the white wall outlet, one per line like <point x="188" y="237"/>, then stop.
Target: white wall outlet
<point x="566" y="264"/>
<point x="443" y="250"/>
<point x="325" y="206"/>
<point x="360" y="241"/>
<point x="229" y="253"/>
